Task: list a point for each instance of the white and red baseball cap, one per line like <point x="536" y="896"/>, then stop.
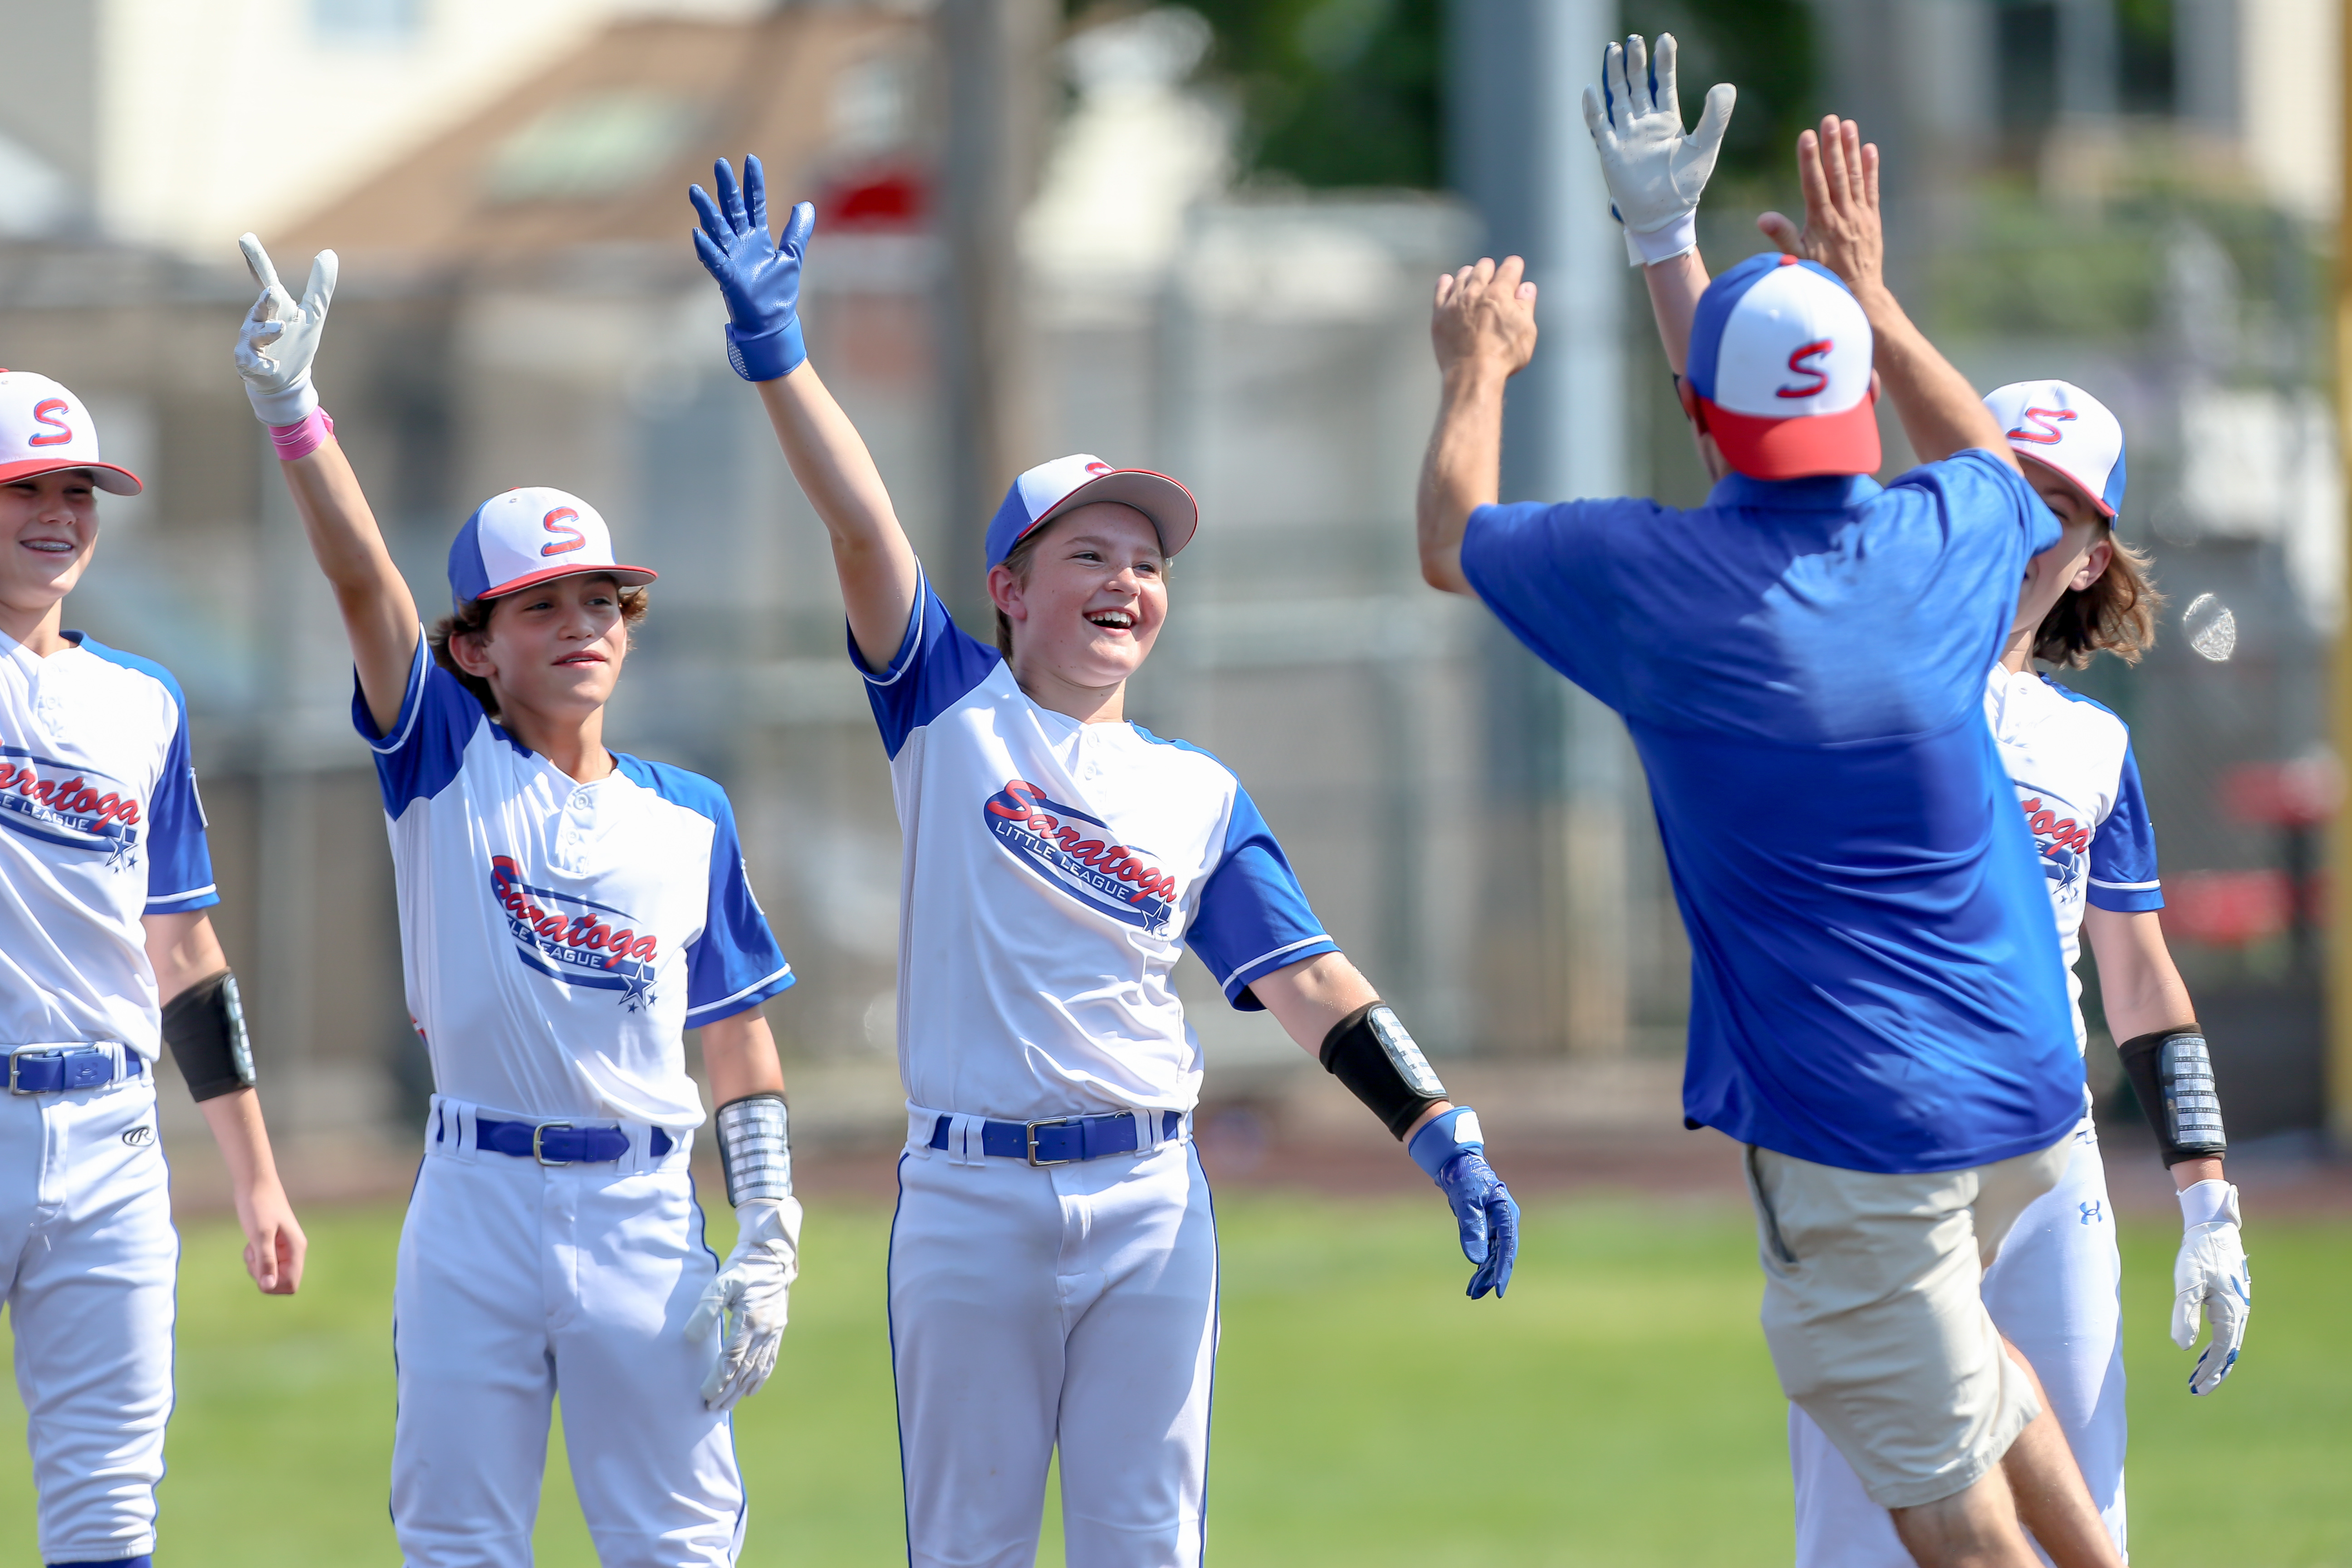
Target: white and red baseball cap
<point x="532" y="535"/>
<point x="2067" y="430"/>
<point x="1049" y="489"/>
<point x="44" y="428"/>
<point x="1780" y="366"/>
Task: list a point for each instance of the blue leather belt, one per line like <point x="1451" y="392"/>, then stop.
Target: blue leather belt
<point x="44" y="1071"/>
<point x="1060" y="1140"/>
<point x="560" y="1143"/>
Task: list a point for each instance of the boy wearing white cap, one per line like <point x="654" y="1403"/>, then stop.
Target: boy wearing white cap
<point x="106" y="955"/>
<point x="1878" y="1008"/>
<point x="2052" y="1291"/>
<point x="1052" y="1264"/>
<point x="565" y="912"/>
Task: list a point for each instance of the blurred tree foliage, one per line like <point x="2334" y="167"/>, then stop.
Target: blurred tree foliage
<point x="1351" y="92"/>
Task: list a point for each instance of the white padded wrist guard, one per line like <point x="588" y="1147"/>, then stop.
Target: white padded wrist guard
<point x="289" y="405"/>
<point x="1677" y="238"/>
<point x="2206" y="1202"/>
<point x="753" y="1151"/>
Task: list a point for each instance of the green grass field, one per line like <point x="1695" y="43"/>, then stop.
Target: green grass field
<point x="1619" y="1409"/>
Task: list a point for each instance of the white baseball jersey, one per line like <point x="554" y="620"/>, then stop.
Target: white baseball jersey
<point x="2070" y="761"/>
<point x="558" y="936"/>
<point x="1054" y="873"/>
<point x="99" y="825"/>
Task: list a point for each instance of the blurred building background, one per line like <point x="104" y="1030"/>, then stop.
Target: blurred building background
<point x="1197" y="237"/>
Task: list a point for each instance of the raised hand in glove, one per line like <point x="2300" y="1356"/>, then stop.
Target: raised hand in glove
<point x="750" y="1295"/>
<point x="1451" y="1147"/>
<point x="2210" y="1275"/>
<point x="279" y="337"/>
<point x="759" y="275"/>
<point x="1654" y="172"/>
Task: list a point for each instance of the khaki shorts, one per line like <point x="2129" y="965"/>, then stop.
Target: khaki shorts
<point x="1875" y="1319"/>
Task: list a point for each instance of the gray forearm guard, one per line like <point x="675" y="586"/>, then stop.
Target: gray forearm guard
<point x="753" y="1149"/>
<point x="2172" y="1074"/>
<point x="204" y="1027"/>
<point x="1370" y="1051"/>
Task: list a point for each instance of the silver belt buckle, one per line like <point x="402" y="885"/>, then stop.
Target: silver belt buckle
<point x="538" y="1133"/>
<point x="1049" y="1121"/>
<point x="50" y="1053"/>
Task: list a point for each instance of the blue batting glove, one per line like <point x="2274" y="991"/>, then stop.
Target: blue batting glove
<point x="760" y="276"/>
<point x="1453" y="1149"/>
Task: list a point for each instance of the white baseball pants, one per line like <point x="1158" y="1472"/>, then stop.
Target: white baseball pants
<point x="1074" y="1305"/>
<point x="518" y="1280"/>
<point x="2054" y="1293"/>
<point x="88" y="1258"/>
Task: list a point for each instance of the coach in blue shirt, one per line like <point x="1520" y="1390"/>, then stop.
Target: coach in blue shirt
<point x="1878" y="1009"/>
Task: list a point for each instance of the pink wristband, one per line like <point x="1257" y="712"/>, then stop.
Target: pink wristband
<point x="294" y="441"/>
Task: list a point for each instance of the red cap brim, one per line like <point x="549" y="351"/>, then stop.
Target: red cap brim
<point x="626" y="576"/>
<point x="1796" y="449"/>
<point x="113" y="480"/>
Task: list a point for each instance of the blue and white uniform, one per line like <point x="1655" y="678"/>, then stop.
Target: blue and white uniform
<point x="1054" y="873"/>
<point x="100" y="825"/>
<point x="2054" y="1290"/>
<point x="557" y="937"/>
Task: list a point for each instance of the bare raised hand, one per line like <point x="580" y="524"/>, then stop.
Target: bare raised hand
<point x="1839" y="173"/>
<point x="1485" y="314"/>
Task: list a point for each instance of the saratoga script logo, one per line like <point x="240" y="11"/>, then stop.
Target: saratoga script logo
<point x="2062" y="836"/>
<point x="80" y="809"/>
<point x="1077" y="853"/>
<point x="576" y="941"/>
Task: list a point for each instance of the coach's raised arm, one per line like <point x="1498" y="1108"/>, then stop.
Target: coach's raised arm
<point x="1878" y="1009"/>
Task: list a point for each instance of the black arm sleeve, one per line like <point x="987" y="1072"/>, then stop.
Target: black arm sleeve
<point x="1370" y="1051"/>
<point x="204" y="1027"/>
<point x="2172" y="1075"/>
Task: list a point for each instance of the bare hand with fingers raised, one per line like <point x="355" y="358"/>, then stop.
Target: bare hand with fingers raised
<point x="1839" y="175"/>
<point x="1485" y="315"/>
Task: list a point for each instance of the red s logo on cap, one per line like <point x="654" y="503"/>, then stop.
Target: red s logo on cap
<point x="1813" y="350"/>
<point x="46" y="412"/>
<point x="1098" y="468"/>
<point x="558" y="522"/>
<point x="2049" y="419"/>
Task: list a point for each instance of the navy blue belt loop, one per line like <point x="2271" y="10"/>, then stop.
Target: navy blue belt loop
<point x="1060" y="1140"/>
<point x="560" y="1143"/>
<point x="84" y="1066"/>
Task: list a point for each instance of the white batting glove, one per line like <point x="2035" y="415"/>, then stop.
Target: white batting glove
<point x="2211" y="1275"/>
<point x="753" y="1289"/>
<point x="280" y="337"/>
<point x="1655" y="174"/>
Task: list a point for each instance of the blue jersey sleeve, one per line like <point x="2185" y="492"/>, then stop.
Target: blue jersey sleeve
<point x="1253" y="916"/>
<point x="1543" y="570"/>
<point x="419" y="755"/>
<point x="1987" y="504"/>
<point x="937" y="664"/>
<point x="179" y="857"/>
<point x="2123" y="852"/>
<point x="737" y="964"/>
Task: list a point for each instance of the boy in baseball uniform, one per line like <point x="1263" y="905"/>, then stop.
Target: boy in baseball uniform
<point x="106" y="956"/>
<point x="566" y="912"/>
<point x="1053" y="1266"/>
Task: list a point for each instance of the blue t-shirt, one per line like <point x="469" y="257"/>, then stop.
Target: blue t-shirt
<point x="1875" y="982"/>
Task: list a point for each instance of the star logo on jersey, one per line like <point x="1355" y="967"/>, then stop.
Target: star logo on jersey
<point x="1079" y="856"/>
<point x="576" y="941"/>
<point x="2062" y="837"/>
<point x="74" y="808"/>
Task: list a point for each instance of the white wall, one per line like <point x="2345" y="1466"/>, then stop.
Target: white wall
<point x="2289" y="93"/>
<point x="215" y="116"/>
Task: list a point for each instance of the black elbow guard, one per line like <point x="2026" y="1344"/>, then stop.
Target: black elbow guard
<point x="204" y="1027"/>
<point x="1370" y="1051"/>
<point x="2172" y="1074"/>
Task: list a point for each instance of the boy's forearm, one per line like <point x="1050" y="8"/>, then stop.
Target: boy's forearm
<point x="243" y="1138"/>
<point x="1674" y="288"/>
